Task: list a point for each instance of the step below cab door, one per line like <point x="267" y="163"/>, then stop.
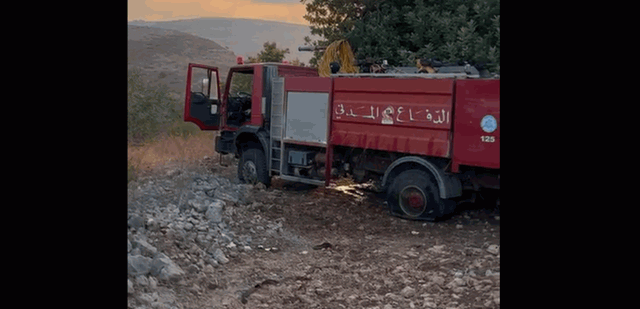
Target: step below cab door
<point x="202" y="97"/>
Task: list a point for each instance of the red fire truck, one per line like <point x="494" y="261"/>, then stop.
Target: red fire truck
<point x="421" y="138"/>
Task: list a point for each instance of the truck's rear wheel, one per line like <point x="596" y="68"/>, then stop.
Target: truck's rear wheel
<point x="252" y="167"/>
<point x="413" y="194"/>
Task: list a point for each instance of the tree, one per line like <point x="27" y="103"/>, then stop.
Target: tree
<point x="455" y="30"/>
<point x="332" y="19"/>
<point x="402" y="30"/>
<point x="270" y="53"/>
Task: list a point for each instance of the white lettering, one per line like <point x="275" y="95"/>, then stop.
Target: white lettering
<point x="439" y="118"/>
<point x="371" y="116"/>
<point x="386" y="119"/>
<point x="399" y="112"/>
<point x="442" y="115"/>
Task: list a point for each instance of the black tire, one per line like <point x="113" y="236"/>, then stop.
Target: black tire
<point x="414" y="194"/>
<point x="252" y="167"/>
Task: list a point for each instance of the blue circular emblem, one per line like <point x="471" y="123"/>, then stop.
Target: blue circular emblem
<point x="488" y="124"/>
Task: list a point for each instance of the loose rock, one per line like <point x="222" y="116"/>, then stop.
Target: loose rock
<point x="164" y="269"/>
<point x="493" y="249"/>
<point x="153" y="282"/>
<point x="152" y="225"/>
<point x="199" y="205"/>
<point x="138" y="265"/>
<point x="227" y="195"/>
<point x="145" y="248"/>
<point x="214" y="211"/>
<point x="496" y="297"/>
<point x="457" y="282"/>
<point x="135" y="222"/>
<point x="220" y="257"/>
<point x="436" y="249"/>
<point x="408" y="292"/>
<point x="438" y="280"/>
<point x="142" y="280"/>
<point x="193" y="269"/>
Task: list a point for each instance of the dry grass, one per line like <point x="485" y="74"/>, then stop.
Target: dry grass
<point x="173" y="151"/>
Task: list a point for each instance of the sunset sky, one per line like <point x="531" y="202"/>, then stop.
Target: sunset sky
<point x="290" y="11"/>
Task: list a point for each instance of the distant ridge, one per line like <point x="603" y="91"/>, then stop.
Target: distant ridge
<point x="163" y="56"/>
<point x="140" y="21"/>
<point x="242" y="36"/>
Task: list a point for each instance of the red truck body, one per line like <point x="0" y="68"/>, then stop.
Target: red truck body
<point x="379" y="126"/>
<point x="413" y="116"/>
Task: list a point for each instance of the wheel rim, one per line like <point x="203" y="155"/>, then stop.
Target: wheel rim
<point x="249" y="172"/>
<point x="413" y="201"/>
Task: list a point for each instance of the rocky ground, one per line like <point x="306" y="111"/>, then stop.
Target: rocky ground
<point x="199" y="239"/>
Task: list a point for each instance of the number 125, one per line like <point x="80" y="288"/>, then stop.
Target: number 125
<point x="488" y="139"/>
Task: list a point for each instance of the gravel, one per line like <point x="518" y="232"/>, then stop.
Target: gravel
<point x="174" y="221"/>
<point x="200" y="240"/>
<point x="181" y="227"/>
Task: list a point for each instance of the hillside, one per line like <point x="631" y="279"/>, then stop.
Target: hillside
<point x="163" y="55"/>
<point x="243" y="36"/>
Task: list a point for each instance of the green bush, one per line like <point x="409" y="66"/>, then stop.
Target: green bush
<point x="150" y="109"/>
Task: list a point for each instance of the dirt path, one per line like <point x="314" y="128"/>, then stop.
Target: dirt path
<point x="370" y="259"/>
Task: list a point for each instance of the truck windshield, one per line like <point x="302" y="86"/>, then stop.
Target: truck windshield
<point x="239" y="102"/>
<point x="241" y="83"/>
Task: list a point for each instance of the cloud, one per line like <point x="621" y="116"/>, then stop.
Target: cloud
<point x="284" y="10"/>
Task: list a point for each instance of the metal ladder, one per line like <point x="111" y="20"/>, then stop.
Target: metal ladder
<point x="277" y="125"/>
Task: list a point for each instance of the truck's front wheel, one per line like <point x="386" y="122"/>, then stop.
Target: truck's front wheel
<point x="414" y="195"/>
<point x="252" y="167"/>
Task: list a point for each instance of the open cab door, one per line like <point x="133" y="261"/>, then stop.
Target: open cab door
<point x="202" y="97"/>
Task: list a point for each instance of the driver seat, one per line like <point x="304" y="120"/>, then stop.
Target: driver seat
<point x="237" y="108"/>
